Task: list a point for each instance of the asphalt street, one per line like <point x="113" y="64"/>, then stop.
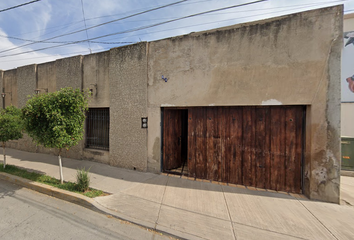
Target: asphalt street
<point x="26" y="214"/>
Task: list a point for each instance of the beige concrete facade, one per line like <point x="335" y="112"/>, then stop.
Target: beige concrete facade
<point x="289" y="60"/>
<point x="347" y="117"/>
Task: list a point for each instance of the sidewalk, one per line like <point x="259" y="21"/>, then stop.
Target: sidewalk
<point x="203" y="210"/>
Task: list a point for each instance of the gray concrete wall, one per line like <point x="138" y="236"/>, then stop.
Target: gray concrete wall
<point x="26" y="83"/>
<point x="290" y="60"/>
<point x="10" y="87"/>
<point x="128" y="99"/>
<point x="46" y="77"/>
<point x="69" y="72"/>
<point x="96" y="77"/>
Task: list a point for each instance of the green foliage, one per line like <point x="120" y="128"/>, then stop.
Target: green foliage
<point x="82" y="180"/>
<point x="41" y="178"/>
<point x="56" y="120"/>
<point x="11" y="124"/>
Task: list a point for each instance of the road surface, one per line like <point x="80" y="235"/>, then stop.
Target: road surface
<point x="25" y="214"/>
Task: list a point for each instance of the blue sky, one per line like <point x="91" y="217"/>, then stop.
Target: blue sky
<point x="48" y="19"/>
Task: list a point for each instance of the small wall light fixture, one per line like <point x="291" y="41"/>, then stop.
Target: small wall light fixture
<point x="3" y="95"/>
<point x="164" y="78"/>
<point x="93" y="89"/>
<point x="38" y="90"/>
<point x="144" y="122"/>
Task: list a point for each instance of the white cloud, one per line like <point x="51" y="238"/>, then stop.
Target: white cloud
<point x="46" y="19"/>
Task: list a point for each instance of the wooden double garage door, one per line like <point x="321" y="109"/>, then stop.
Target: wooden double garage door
<point x="252" y="146"/>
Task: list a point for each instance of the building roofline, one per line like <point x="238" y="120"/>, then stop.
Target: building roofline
<point x="347" y="16"/>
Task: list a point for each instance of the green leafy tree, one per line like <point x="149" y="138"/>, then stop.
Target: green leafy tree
<point x="56" y="120"/>
<point x="11" y="126"/>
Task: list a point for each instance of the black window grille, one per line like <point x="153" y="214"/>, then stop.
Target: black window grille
<point x="97" y="128"/>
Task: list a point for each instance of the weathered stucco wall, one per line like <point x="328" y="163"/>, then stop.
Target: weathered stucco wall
<point x="69" y="72"/>
<point x="10" y="87"/>
<point x="96" y="77"/>
<point x="46" y="77"/>
<point x="128" y="99"/>
<point x="26" y="82"/>
<point x="290" y="60"/>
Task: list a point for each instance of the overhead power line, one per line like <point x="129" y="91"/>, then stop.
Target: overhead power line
<point x="55" y="42"/>
<point x="242" y="11"/>
<point x="137" y="29"/>
<point x="85" y="29"/>
<point x="23" y="4"/>
<point x="83" y="15"/>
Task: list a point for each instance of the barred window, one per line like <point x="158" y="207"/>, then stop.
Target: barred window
<point x="97" y="128"/>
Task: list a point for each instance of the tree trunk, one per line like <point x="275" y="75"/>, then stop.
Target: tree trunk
<point x="60" y="168"/>
<point x="3" y="150"/>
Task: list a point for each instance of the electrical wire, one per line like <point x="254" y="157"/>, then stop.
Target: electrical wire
<point x="83" y="15"/>
<point x="226" y="20"/>
<point x="196" y="24"/>
<point x="23" y="4"/>
<point x="139" y="28"/>
<point x="263" y="9"/>
<point x="115" y="20"/>
<point x="55" y="42"/>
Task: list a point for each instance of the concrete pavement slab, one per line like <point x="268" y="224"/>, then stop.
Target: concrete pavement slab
<point x="338" y="219"/>
<point x="131" y="208"/>
<point x="196" y="226"/>
<point x="152" y="189"/>
<point x="243" y="232"/>
<point x="110" y="185"/>
<point x="196" y="196"/>
<point x="273" y="212"/>
<point x="347" y="189"/>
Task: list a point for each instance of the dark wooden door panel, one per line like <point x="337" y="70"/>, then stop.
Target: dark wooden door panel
<point x="213" y="140"/>
<point x="290" y="149"/>
<point x="253" y="146"/>
<point x="299" y="148"/>
<point x="191" y="143"/>
<point x="201" y="148"/>
<point x="249" y="166"/>
<point x="262" y="146"/>
<point x="236" y="147"/>
<point x="172" y="139"/>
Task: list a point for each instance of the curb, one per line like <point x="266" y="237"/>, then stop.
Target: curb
<point x="51" y="191"/>
<point x="347" y="173"/>
<point x="81" y="200"/>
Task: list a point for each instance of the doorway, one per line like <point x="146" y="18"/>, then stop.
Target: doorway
<point x="175" y="141"/>
<point x="258" y="146"/>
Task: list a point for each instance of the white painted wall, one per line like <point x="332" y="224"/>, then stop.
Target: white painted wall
<point x="347" y="111"/>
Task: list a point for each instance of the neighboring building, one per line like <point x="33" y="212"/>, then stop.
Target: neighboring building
<point x="347" y="83"/>
<point x="256" y="104"/>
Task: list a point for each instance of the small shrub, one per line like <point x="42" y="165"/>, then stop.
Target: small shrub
<point x="82" y="180"/>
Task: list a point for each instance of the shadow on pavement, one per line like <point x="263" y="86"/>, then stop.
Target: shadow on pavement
<point x="28" y="160"/>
